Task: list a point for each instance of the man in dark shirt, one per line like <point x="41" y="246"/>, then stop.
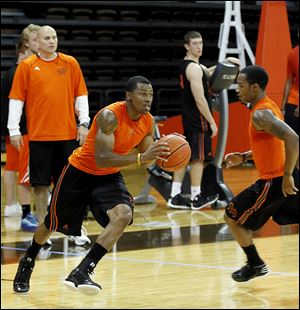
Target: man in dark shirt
<point x="198" y="123"/>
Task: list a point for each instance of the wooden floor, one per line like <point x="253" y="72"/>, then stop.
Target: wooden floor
<point x="167" y="259"/>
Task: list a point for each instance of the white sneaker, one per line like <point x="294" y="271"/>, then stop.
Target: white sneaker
<point x="44" y="253"/>
<point x="13" y="210"/>
<point x="80" y="240"/>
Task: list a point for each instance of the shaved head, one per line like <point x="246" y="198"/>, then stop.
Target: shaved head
<point x="47" y="40"/>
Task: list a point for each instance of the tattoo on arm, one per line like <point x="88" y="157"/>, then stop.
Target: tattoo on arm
<point x="265" y="120"/>
<point x="107" y="121"/>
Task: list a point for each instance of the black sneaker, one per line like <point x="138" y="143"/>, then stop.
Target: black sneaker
<point x="79" y="279"/>
<point x="21" y="280"/>
<point x="249" y="272"/>
<point x="179" y="202"/>
<point x="201" y="202"/>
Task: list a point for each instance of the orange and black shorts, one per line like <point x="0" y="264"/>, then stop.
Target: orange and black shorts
<point x="254" y="206"/>
<point x="76" y="190"/>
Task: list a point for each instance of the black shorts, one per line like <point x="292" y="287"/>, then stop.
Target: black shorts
<point x="290" y="118"/>
<point x="264" y="199"/>
<point x="76" y="190"/>
<point x="47" y="159"/>
<point x="200" y="143"/>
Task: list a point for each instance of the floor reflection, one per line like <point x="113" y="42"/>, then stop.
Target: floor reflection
<point x="174" y="235"/>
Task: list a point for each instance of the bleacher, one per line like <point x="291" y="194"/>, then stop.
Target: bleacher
<point x="113" y="40"/>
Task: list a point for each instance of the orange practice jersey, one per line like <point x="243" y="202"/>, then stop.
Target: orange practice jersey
<point x="49" y="89"/>
<point x="293" y="70"/>
<point x="128" y="135"/>
<point x="267" y="151"/>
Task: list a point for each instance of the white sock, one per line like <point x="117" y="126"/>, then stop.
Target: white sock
<point x="176" y="188"/>
<point x="195" y="190"/>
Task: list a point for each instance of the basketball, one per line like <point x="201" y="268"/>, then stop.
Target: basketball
<point x="180" y="153"/>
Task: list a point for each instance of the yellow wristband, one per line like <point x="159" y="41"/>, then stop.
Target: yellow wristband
<point x="138" y="159"/>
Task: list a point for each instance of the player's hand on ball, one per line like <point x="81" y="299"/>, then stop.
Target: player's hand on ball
<point x="179" y="152"/>
<point x="157" y="150"/>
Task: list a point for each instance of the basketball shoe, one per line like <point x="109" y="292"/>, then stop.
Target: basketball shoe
<point x="200" y="201"/>
<point x="80" y="240"/>
<point x="179" y="202"/>
<point x="79" y="278"/>
<point x="29" y="223"/>
<point x="22" y="277"/>
<point x="13" y="210"/>
<point x="249" y="272"/>
<point x="45" y="252"/>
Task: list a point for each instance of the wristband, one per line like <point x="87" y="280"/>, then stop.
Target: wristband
<point x="138" y="159"/>
<point x="288" y="173"/>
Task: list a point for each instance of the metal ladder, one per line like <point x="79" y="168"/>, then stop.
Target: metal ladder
<point x="232" y="19"/>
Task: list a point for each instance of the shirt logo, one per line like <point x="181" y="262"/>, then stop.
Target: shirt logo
<point x="61" y="70"/>
<point x="37" y="68"/>
<point x="228" y="77"/>
<point x="232" y="210"/>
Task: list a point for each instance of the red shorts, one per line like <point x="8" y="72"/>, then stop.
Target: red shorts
<point x="18" y="161"/>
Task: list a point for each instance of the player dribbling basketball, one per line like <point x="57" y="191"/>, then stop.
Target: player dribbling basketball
<point x="93" y="177"/>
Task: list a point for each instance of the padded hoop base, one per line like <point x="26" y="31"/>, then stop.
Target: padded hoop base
<point x="223" y="76"/>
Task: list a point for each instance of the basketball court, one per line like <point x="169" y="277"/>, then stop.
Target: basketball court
<point x="167" y="259"/>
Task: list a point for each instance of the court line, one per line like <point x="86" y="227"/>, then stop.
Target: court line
<point x="152" y="261"/>
<point x="193" y="265"/>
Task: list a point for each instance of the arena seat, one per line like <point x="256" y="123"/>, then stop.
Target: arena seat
<point x="182" y="15"/>
<point x="128" y="36"/>
<point x="57" y="13"/>
<point x="129" y="15"/>
<point x="104" y="74"/>
<point x="105" y="54"/>
<point x="122" y="37"/>
<point x="82" y="13"/>
<point x="128" y="54"/>
<point x="125" y="74"/>
<point x="160" y="15"/>
<point x="105" y="35"/>
<point x="168" y="101"/>
<point x="81" y="34"/>
<point x="106" y="14"/>
<point x="113" y="95"/>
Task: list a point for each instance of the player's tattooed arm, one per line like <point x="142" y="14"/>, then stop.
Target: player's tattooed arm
<point x="265" y="120"/>
<point x="105" y="139"/>
<point x="107" y="122"/>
